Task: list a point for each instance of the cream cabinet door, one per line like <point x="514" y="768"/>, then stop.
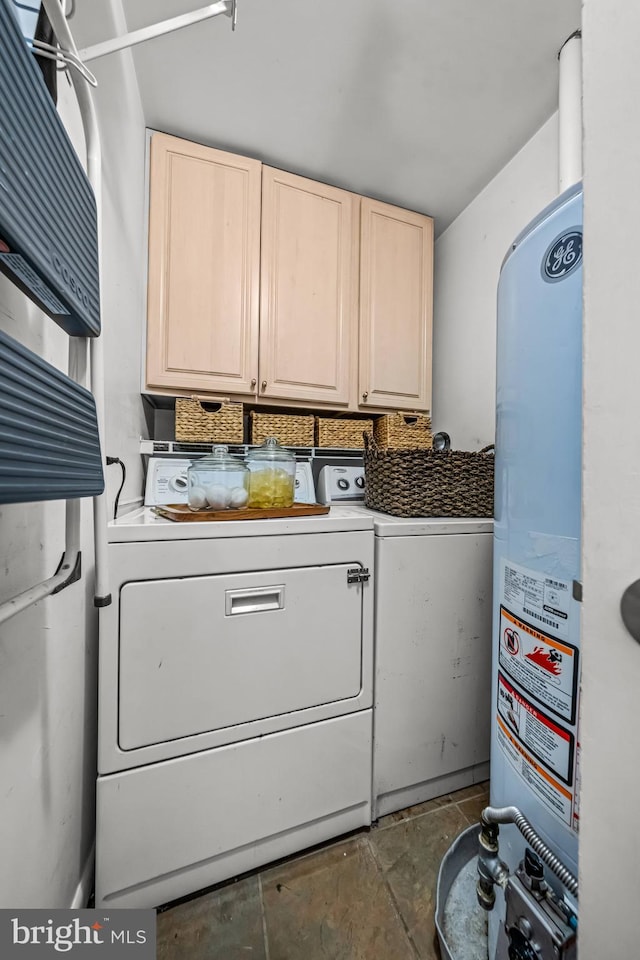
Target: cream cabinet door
<point x="204" y="269"/>
<point x="308" y="298"/>
<point x="396" y="305"/>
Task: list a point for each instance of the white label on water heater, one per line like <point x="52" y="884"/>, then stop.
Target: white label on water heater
<point x="538" y="685"/>
<point x="537" y="597"/>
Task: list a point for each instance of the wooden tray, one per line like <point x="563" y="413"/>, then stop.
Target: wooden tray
<point x="181" y="512"/>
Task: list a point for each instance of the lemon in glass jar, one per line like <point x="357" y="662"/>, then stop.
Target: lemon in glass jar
<point x="272" y="476"/>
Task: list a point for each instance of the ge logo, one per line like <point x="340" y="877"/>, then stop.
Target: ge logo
<point x="563" y="256"/>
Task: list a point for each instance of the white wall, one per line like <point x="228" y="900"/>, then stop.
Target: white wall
<point x="122" y="133"/>
<point x="610" y="831"/>
<point x="48" y="653"/>
<point x="468" y="256"/>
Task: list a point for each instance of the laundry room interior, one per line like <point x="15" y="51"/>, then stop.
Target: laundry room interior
<point x="318" y="467"/>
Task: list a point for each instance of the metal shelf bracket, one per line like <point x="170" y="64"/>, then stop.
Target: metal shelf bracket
<point x="127" y="40"/>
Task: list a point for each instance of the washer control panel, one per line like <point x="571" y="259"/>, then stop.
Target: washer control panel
<point x="337" y="483"/>
<point x="166" y="481"/>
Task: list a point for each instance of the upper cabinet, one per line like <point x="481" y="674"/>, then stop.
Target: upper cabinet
<point x="204" y="269"/>
<point x="396" y="296"/>
<point x="267" y="285"/>
<point x="309" y="289"/>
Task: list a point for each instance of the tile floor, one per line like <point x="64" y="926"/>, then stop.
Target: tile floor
<point x="370" y="896"/>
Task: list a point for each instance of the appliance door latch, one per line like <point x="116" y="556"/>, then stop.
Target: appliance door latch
<point x="358" y="575"/>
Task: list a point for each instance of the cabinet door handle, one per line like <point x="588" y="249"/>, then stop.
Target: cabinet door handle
<point x="365" y="395"/>
<point x="263" y="385"/>
<point x="253" y="383"/>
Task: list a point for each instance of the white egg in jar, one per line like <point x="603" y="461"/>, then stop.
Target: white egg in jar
<point x="197" y="498"/>
<point x="218" y="496"/>
<point x="239" y="497"/>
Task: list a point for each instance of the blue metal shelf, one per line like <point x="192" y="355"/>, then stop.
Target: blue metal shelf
<point x="48" y="217"/>
<point x="49" y="447"/>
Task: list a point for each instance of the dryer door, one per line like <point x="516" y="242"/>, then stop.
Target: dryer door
<point x="202" y="653"/>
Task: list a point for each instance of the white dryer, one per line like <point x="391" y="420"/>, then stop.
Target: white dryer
<point x="235" y="697"/>
<point x="433" y="593"/>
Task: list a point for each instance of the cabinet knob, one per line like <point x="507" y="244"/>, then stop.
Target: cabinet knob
<point x="263" y="385"/>
<point x="253" y="383"/>
<point x="365" y="395"/>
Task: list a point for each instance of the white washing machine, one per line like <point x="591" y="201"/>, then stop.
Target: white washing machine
<point x="433" y="593"/>
<point x="235" y="697"/>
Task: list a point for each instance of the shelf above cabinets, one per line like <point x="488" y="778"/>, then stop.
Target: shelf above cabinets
<point x="173" y="447"/>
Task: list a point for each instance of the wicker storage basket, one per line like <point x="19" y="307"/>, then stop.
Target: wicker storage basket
<point x="429" y="483"/>
<point x="342" y="433"/>
<point x="288" y="429"/>
<point x="195" y="424"/>
<point x="403" y="431"/>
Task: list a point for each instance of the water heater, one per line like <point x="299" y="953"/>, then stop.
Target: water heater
<point x="535" y="750"/>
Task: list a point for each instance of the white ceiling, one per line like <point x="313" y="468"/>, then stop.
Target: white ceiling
<point x="416" y="102"/>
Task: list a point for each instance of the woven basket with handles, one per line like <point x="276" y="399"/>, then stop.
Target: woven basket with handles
<point x="288" y="429"/>
<point x="429" y="483"/>
<point x="221" y="423"/>
<point x="338" y="432"/>
<point x="403" y="431"/>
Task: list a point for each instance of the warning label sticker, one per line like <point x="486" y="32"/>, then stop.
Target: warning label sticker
<point x="539" y="598"/>
<point x="548" y="742"/>
<point x="544" y="667"/>
<point x="557" y="797"/>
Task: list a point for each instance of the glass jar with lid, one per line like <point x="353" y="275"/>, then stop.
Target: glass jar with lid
<point x="218" y="481"/>
<point x="272" y="475"/>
